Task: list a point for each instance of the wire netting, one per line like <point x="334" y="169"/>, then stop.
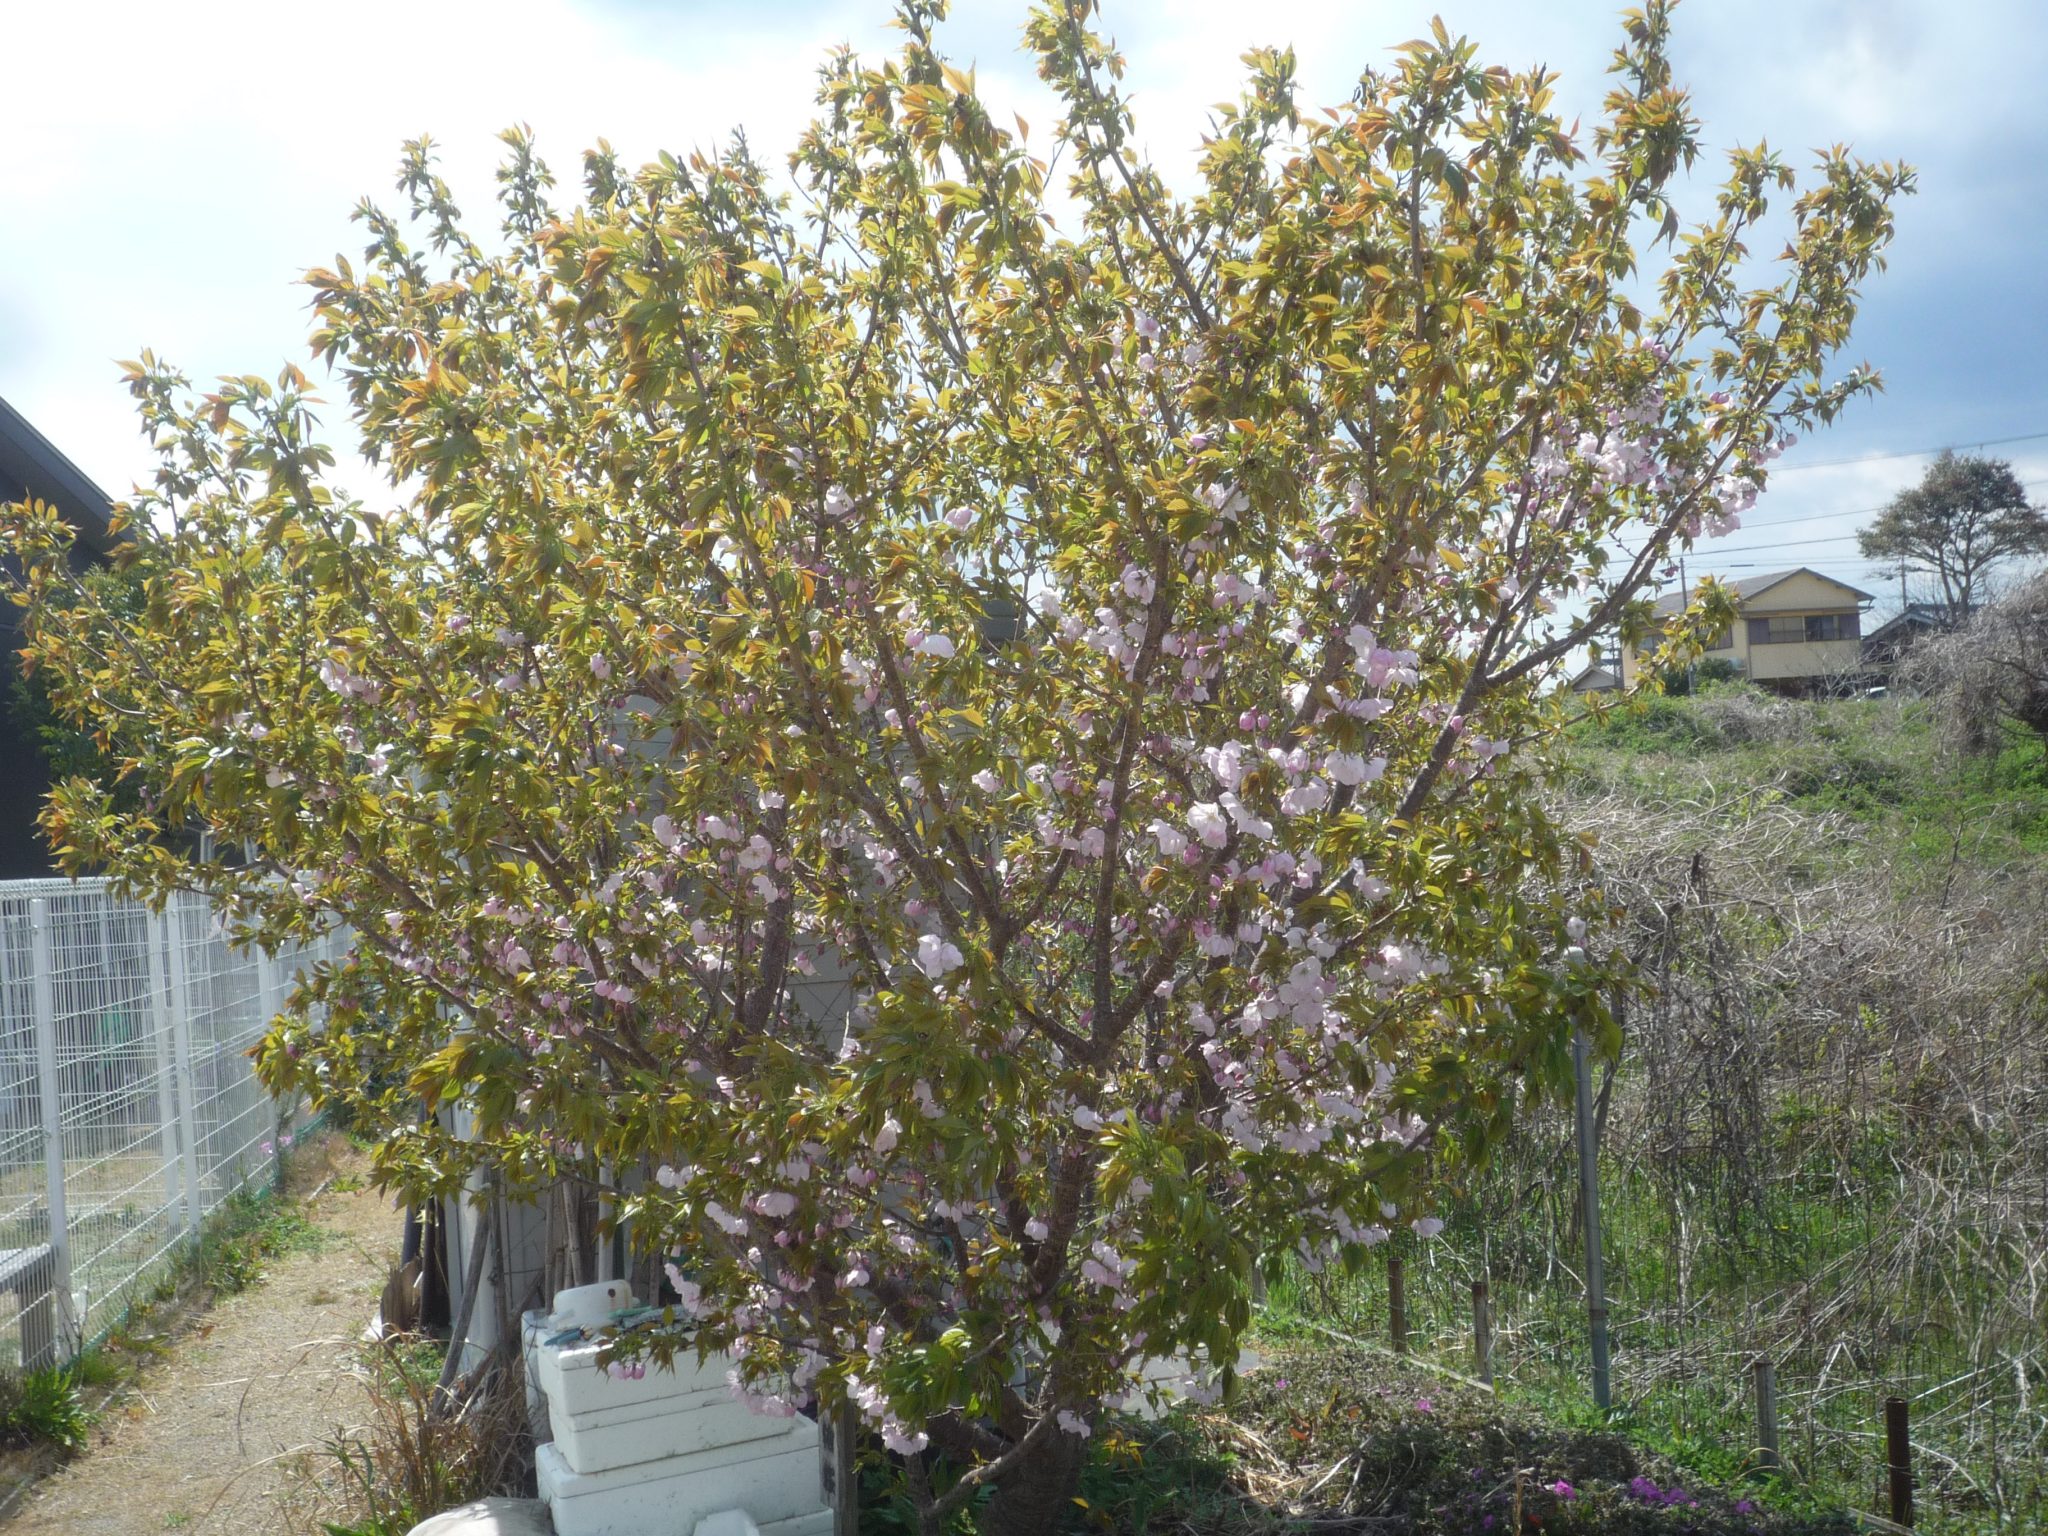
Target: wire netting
<point x="129" y="1105"/>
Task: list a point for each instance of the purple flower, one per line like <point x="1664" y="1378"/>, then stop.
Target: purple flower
<point x="1564" y="1490"/>
<point x="1744" y="1507"/>
<point x="1423" y="1405"/>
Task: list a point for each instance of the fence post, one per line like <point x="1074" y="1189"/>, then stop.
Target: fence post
<point x="1589" y="1211"/>
<point x="270" y="1001"/>
<point x="1767" y="1457"/>
<point x="172" y="926"/>
<point x="1898" y="1455"/>
<point x="1482" y="1332"/>
<point x="606" y="1269"/>
<point x="1397" y="1304"/>
<point x="42" y="993"/>
<point x="169" y="1138"/>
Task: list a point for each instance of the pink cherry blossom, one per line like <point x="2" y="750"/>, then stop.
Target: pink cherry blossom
<point x="936" y="956"/>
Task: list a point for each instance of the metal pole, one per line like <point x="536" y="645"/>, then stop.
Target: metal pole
<point x="44" y="1001"/>
<point x="1898" y="1455"/>
<point x="268" y="990"/>
<point x="1589" y="1211"/>
<point x="166" y="1087"/>
<point x="1482" y="1333"/>
<point x="1397" y="1305"/>
<point x="1767" y="1457"/>
<point x="171" y="926"/>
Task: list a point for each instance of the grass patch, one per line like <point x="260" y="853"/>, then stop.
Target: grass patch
<point x="1874" y="760"/>
<point x="250" y="1229"/>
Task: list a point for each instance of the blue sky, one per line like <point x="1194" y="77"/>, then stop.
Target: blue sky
<point x="167" y="171"/>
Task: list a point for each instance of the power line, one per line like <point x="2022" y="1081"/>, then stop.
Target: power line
<point x="1757" y="549"/>
<point x="1912" y="453"/>
<point x="1815" y="517"/>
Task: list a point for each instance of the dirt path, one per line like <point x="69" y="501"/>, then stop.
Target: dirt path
<point x="207" y="1440"/>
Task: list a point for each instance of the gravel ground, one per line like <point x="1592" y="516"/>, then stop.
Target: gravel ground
<point x="213" y="1437"/>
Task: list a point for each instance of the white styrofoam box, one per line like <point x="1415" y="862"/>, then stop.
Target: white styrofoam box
<point x="587" y="1306"/>
<point x="574" y="1384"/>
<point x="772" y="1480"/>
<point x="669" y="1426"/>
<point x="817" y="1523"/>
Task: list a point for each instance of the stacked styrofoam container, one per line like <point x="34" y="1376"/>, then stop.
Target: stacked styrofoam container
<point x="658" y="1454"/>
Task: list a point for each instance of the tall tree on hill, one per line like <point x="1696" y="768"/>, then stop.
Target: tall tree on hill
<point x="1967" y="515"/>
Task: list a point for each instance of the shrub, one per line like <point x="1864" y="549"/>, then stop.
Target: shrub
<point x="44" y="1407"/>
<point x="420" y="1452"/>
<point x="1742" y="714"/>
<point x="1102" y="646"/>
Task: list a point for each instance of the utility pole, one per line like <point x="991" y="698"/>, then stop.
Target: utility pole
<point x="1691" y="667"/>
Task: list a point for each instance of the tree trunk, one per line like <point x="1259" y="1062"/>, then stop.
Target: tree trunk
<point x="1034" y="1497"/>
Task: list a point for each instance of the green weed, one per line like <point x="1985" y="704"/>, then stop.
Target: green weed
<point x="249" y="1230"/>
<point x="44" y="1407"/>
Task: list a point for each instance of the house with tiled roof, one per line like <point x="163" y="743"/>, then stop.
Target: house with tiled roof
<point x="1797" y="631"/>
<point x="1887" y="645"/>
<point x="1594" y="678"/>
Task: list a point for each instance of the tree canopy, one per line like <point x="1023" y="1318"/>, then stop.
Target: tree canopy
<point x="986" y="767"/>
<point x="1967" y="516"/>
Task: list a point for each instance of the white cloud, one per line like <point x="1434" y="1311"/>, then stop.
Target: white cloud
<point x="167" y="171"/>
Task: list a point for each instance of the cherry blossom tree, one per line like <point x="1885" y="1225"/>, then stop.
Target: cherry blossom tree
<point x="1113" y="632"/>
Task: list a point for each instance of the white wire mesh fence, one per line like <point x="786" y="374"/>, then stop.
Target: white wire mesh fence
<point x="129" y="1106"/>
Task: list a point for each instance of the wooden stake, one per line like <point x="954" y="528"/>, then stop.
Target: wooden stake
<point x="1898" y="1455"/>
<point x="1767" y="1458"/>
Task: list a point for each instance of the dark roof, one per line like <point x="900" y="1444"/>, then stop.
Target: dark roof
<point x="1593" y="678"/>
<point x="1756" y="586"/>
<point x="29" y="461"/>
<point x="1913" y="616"/>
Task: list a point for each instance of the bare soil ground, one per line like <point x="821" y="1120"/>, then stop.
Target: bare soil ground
<point x="213" y="1437"/>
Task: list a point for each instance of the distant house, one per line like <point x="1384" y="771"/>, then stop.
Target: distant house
<point x="1595" y="678"/>
<point x="1885" y="646"/>
<point x="31" y="467"/>
<point x="1797" y="632"/>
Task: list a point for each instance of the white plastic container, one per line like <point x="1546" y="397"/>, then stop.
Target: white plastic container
<point x="590" y="1306"/>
